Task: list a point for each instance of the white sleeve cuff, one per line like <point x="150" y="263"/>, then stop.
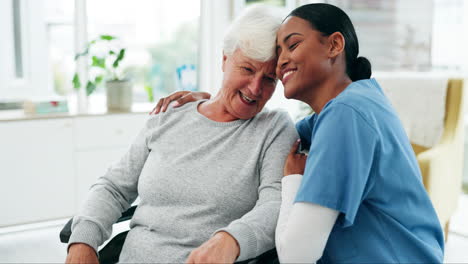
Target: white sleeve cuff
<point x="290" y="184"/>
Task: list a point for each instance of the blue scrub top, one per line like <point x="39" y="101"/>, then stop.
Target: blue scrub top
<point x="361" y="164"/>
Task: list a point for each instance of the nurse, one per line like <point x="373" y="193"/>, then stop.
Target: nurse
<point x="358" y="196"/>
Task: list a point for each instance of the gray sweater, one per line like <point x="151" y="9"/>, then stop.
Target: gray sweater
<point x="194" y="177"/>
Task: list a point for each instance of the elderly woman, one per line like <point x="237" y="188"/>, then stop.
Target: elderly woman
<point x="208" y="173"/>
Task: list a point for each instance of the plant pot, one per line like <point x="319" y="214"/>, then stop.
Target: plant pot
<point x="119" y="96"/>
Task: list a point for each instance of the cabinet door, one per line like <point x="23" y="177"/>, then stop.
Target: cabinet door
<point x="36" y="171"/>
<point x="110" y="131"/>
<point x="100" y="141"/>
<point x="92" y="164"/>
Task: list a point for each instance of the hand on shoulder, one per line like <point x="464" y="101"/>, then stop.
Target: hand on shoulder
<point x="180" y="98"/>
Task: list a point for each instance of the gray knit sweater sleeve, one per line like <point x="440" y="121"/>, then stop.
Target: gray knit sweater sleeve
<point x="112" y="194"/>
<point x="255" y="231"/>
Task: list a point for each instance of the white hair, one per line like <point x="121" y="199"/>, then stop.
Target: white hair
<point x="254" y="32"/>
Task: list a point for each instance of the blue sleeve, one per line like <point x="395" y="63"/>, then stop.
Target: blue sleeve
<point x="304" y="128"/>
<point x="339" y="162"/>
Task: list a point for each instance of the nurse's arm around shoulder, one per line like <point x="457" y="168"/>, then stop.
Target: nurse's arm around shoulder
<point x="303" y="228"/>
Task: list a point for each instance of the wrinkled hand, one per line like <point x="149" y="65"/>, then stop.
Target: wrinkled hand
<point x="81" y="253"/>
<point x="295" y="162"/>
<point x="181" y="98"/>
<point x="221" y="248"/>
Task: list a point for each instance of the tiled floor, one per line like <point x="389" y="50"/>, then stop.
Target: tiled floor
<point x="42" y="245"/>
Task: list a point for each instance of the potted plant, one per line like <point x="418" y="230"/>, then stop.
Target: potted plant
<point x="105" y="67"/>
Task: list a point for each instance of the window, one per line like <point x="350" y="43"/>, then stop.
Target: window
<point x="60" y="44"/>
<point x="11" y="46"/>
<point x="23" y="50"/>
<point x="161" y="40"/>
<point x="41" y="35"/>
<point x="447" y="44"/>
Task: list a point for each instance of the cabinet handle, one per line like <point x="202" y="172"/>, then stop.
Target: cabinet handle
<point x="119" y="131"/>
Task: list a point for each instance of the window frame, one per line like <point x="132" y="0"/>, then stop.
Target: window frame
<point x="34" y="42"/>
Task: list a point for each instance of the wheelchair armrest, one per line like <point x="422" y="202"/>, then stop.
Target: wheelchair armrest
<point x="66" y="230"/>
<point x="127" y="215"/>
<point x="270" y="257"/>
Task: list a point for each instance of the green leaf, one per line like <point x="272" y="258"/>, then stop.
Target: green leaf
<point x="119" y="58"/>
<point x="98" y="79"/>
<point x="76" y="81"/>
<point x="90" y="87"/>
<point x="107" y="37"/>
<point x="111" y="52"/>
<point x="99" y="62"/>
<point x="149" y="92"/>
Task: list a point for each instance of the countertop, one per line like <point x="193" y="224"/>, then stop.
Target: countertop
<point x="20" y="115"/>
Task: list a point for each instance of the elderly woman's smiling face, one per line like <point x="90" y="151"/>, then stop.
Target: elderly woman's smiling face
<point x="247" y="85"/>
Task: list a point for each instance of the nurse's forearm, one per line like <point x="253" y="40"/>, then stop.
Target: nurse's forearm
<point x="303" y="228"/>
<point x="289" y="186"/>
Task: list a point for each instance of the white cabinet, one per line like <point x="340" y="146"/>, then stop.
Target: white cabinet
<point x="90" y="165"/>
<point x="100" y="141"/>
<point x="48" y="165"/>
<point x="36" y="168"/>
<point x="107" y="131"/>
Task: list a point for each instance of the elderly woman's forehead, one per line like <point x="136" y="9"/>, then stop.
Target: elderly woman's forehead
<point x="256" y="62"/>
<point x="266" y="65"/>
<point x="239" y="55"/>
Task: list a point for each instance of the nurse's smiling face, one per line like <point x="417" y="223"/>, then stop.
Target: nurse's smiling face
<point x="302" y="57"/>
